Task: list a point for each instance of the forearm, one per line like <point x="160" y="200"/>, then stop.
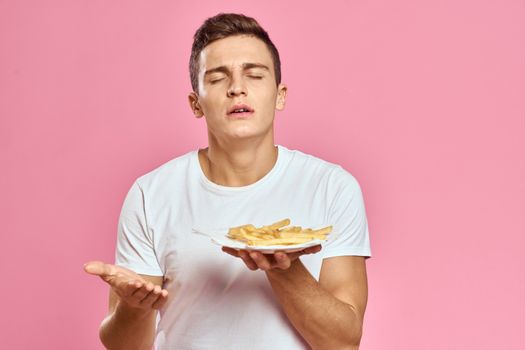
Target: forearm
<point x="128" y="329"/>
<point x="324" y="321"/>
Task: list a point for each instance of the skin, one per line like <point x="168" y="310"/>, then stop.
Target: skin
<point x="241" y="151"/>
<point x="327" y="313"/>
<point x="133" y="303"/>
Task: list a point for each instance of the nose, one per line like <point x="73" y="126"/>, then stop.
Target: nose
<point x="237" y="86"/>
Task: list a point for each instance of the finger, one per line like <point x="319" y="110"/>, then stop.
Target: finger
<point x="282" y="260"/>
<point x="127" y="289"/>
<point x="312" y="250"/>
<point x="161" y="300"/>
<point x="142" y="291"/>
<point x="261" y="261"/>
<point x="124" y="289"/>
<point x="248" y="261"/>
<point x="151" y="297"/>
<point x="97" y="268"/>
<point x="231" y="251"/>
<point x="309" y="250"/>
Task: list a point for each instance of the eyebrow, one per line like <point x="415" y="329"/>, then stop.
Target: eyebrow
<point x="245" y="66"/>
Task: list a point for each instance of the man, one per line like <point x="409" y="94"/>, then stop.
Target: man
<point x="229" y="299"/>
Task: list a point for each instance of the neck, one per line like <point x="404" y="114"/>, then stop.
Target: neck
<point x="238" y="164"/>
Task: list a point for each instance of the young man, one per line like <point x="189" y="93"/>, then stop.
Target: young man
<point x="213" y="299"/>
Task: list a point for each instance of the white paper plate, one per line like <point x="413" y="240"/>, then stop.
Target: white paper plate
<point x="219" y="237"/>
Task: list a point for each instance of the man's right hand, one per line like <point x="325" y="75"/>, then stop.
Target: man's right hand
<point x="132" y="289"/>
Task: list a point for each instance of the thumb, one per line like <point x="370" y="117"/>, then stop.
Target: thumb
<point x="314" y="249"/>
<point x="97" y="268"/>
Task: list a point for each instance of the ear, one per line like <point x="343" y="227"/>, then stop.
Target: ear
<point x="281" y="97"/>
<point x="193" y="100"/>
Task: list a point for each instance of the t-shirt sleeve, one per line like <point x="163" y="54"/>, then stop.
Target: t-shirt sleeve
<point x="348" y="218"/>
<point x="135" y="246"/>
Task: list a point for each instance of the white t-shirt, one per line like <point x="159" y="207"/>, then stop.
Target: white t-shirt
<point x="215" y="301"/>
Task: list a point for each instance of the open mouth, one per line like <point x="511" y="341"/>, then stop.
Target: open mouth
<point x="240" y="110"/>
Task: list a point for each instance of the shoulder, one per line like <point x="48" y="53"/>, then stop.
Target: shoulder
<point x="308" y="162"/>
<point x="335" y="173"/>
<point x="172" y="171"/>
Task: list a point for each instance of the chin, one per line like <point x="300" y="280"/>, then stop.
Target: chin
<point x="238" y="132"/>
<point x="243" y="132"/>
<point x="243" y="135"/>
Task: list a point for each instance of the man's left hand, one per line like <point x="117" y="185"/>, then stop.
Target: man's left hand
<point x="255" y="260"/>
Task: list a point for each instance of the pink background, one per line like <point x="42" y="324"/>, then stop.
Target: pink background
<point x="423" y="101"/>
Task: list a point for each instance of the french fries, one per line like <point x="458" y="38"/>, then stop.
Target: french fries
<point x="276" y="234"/>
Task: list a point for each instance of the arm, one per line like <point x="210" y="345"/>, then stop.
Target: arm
<point x="133" y="303"/>
<point x="328" y="314"/>
<point x="134" y="299"/>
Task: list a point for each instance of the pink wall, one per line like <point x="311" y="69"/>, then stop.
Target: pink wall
<point x="422" y="101"/>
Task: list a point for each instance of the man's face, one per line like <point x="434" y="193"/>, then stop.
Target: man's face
<point x="237" y="71"/>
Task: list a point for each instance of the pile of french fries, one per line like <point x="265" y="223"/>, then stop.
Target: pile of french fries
<point x="278" y="233"/>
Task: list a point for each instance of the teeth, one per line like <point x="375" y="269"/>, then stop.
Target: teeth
<point x="240" y="110"/>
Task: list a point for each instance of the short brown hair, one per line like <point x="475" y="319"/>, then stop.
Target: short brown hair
<point x="224" y="25"/>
